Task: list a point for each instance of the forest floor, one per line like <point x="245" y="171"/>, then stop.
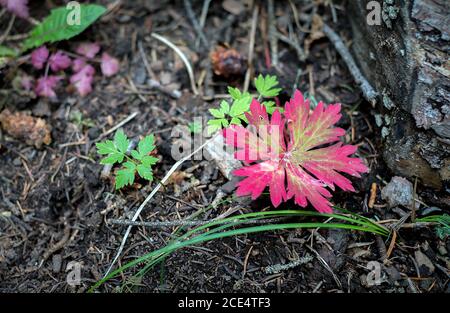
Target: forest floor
<point x="55" y="208"/>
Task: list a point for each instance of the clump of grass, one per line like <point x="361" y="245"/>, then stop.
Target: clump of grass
<point x="442" y="221"/>
<point x="235" y="225"/>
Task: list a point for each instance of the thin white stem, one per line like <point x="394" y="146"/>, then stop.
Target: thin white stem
<point x="182" y="57"/>
<point x="251" y="47"/>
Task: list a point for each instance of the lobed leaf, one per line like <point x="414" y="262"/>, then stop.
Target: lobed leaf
<point x="300" y="168"/>
<point x="145" y="172"/>
<point x="126" y="176"/>
<point x="121" y="141"/>
<point x="265" y="85"/>
<point x="146" y="146"/>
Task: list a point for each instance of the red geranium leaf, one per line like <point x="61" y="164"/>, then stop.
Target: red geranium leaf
<point x="88" y="49"/>
<point x="109" y="65"/>
<point x="83" y="80"/>
<point x="39" y="57"/>
<point x="45" y="85"/>
<point x="304" y="167"/>
<point x="59" y="61"/>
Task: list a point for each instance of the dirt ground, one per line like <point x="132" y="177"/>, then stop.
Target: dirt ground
<point x="55" y="208"/>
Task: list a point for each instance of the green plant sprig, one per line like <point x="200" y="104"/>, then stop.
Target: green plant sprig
<point x="138" y="162"/>
<point x="234" y="114"/>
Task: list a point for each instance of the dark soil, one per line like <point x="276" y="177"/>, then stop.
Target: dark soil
<point x="55" y="208"/>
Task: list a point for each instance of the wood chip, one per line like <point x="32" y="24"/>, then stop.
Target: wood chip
<point x="34" y="131"/>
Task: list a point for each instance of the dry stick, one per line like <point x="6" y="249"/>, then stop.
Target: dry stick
<point x="272" y="33"/>
<point x="134" y="88"/>
<point x="150" y="196"/>
<point x="129" y="118"/>
<point x="2" y="12"/>
<point x="198" y="29"/>
<point x="202" y="21"/>
<point x="325" y="264"/>
<point x="413" y="208"/>
<point x="16" y="37"/>
<point x="251" y="48"/>
<point x="111" y="8"/>
<point x="275" y="269"/>
<point x="150" y="72"/>
<point x="8" y="29"/>
<point x="183" y="58"/>
<point x="418" y="225"/>
<point x="296" y="17"/>
<point x="184" y="222"/>
<point x="369" y="93"/>
<point x="300" y="53"/>
<point x="392" y="244"/>
<point x="247" y="256"/>
<point x="373" y="195"/>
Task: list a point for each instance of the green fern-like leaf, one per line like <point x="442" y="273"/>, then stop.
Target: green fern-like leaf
<point x="138" y="162"/>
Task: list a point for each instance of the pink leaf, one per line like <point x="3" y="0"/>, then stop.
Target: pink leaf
<point x="88" y="49"/>
<point x="17" y="7"/>
<point x="304" y="167"/>
<point x="83" y="80"/>
<point x="59" y="61"/>
<point x="78" y="64"/>
<point x="109" y="65"/>
<point x="39" y="56"/>
<point x="45" y="85"/>
<point x="27" y="82"/>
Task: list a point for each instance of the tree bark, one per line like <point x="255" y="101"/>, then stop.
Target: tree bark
<point x="406" y="59"/>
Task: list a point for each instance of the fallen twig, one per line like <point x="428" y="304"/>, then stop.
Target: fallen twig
<point x="369" y="93"/>
<point x="129" y="118"/>
<point x="8" y="29"/>
<point x="326" y="266"/>
<point x="144" y="59"/>
<point x="251" y="48"/>
<point x="373" y="195"/>
<point x="197" y="27"/>
<point x="273" y="39"/>
<point x="392" y="244"/>
<point x="275" y="269"/>
<point x="202" y="19"/>
<point x="183" y="222"/>
<point x="300" y="53"/>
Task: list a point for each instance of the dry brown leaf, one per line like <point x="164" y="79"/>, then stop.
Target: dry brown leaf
<point x="177" y="178"/>
<point x="34" y="131"/>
